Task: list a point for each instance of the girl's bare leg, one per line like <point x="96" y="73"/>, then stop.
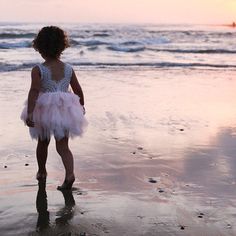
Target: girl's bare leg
<point x="67" y="158"/>
<point x="42" y="153"/>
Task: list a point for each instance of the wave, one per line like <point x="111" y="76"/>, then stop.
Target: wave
<point x="197" y="51"/>
<point x="126" y="46"/>
<point x="126" y="49"/>
<point x="116" y="47"/>
<point x="26" y="66"/>
<point x="156" y="41"/>
<point x="13" y="67"/>
<point x="88" y="43"/>
<point x="24" y="44"/>
<point x="93" y="48"/>
<point x="16" y="35"/>
<point x="101" y="35"/>
<point x="130" y="43"/>
<point x="155" y="65"/>
<point x="192" y="33"/>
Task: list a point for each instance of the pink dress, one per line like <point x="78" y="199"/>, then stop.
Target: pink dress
<point x="57" y="112"/>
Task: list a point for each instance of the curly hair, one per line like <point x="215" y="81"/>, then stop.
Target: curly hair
<point x="51" y="41"/>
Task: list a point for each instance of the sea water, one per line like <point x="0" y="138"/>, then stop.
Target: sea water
<point x="115" y="46"/>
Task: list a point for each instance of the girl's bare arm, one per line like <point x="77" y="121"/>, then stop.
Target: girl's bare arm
<point x="77" y="88"/>
<point x="33" y="94"/>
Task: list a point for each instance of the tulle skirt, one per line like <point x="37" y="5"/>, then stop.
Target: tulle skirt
<point x="57" y="113"/>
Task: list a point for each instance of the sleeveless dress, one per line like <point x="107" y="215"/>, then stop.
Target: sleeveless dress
<point x="58" y="111"/>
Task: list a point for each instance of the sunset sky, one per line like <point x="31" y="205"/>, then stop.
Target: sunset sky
<point x="119" y="11"/>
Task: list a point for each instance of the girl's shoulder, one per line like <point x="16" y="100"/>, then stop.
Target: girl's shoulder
<point x="68" y="68"/>
<point x="36" y="73"/>
<point x="68" y="65"/>
<point x="37" y="69"/>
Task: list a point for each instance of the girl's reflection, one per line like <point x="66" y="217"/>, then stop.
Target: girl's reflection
<point x="42" y="206"/>
<point x="63" y="216"/>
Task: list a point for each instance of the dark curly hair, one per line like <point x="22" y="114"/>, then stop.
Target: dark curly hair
<point x="51" y="41"/>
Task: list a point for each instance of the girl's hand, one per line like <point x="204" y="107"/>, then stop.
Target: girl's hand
<point x="84" y="111"/>
<point x="29" y="121"/>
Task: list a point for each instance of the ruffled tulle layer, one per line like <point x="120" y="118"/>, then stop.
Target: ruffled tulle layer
<point x="59" y="114"/>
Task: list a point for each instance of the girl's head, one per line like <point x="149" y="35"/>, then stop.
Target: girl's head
<point x="50" y="42"/>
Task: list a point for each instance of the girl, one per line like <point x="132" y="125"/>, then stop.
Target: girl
<point x="51" y="109"/>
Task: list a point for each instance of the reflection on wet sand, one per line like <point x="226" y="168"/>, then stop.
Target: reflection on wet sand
<point x="213" y="166"/>
<point x="63" y="215"/>
<point x="42" y="207"/>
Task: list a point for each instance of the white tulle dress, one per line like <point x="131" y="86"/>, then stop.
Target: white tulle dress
<point x="58" y="111"/>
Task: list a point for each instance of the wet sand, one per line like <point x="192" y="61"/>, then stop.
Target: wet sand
<point x="158" y="158"/>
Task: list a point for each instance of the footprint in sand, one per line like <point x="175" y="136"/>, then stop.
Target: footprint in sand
<point x="151" y="180"/>
<point x="200" y="215"/>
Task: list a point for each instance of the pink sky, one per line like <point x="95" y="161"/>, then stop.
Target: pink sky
<point x="119" y="11"/>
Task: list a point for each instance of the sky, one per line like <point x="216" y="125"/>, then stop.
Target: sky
<point x="119" y="11"/>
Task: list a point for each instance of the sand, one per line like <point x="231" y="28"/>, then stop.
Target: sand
<point x="158" y="158"/>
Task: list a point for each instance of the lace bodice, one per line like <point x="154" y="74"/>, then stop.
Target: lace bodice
<point x="50" y="85"/>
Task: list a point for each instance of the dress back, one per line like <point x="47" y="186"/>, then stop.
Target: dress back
<point x="49" y="85"/>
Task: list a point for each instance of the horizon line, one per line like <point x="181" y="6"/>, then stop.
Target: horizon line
<point x="114" y="23"/>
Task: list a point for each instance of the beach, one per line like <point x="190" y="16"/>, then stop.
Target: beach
<point x="158" y="157"/>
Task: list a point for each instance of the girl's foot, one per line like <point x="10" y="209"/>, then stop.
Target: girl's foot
<point x="41" y="176"/>
<point x="67" y="185"/>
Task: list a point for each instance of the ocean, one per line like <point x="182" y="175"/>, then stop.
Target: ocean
<point x="116" y="46"/>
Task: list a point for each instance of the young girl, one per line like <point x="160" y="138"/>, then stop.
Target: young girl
<point x="51" y="109"/>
